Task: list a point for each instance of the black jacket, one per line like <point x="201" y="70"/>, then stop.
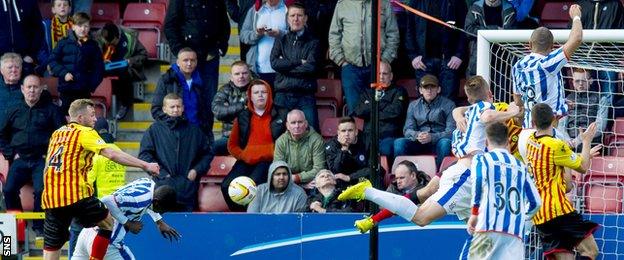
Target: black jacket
<point x="199" y="24"/>
<point x="453" y="42"/>
<point x="177" y="147"/>
<point x="26" y="131"/>
<point x="392" y="111"/>
<point x="237" y="9"/>
<point x="331" y="204"/>
<point x="293" y="76"/>
<point x="168" y="83"/>
<point x="278" y="119"/>
<point x="83" y="61"/>
<point x="608" y="13"/>
<point x="24" y="37"/>
<point x="229" y="101"/>
<point x="353" y="162"/>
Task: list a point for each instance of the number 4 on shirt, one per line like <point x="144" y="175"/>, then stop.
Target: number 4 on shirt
<point x="56" y="160"/>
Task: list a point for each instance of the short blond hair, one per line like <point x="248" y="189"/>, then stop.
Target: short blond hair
<point x="476" y="89"/>
<point x="79" y="106"/>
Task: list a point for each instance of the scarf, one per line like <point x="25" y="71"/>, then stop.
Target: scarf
<point x="109" y="50"/>
<point x="59" y="29"/>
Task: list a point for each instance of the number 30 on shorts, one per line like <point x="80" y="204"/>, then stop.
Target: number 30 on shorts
<point x="56" y="160"/>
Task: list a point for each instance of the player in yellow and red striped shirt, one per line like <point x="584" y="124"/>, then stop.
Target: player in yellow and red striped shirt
<point x="561" y="228"/>
<point x="67" y="194"/>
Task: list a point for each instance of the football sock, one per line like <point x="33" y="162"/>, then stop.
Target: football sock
<point x="396" y="204"/>
<point x="100" y="244"/>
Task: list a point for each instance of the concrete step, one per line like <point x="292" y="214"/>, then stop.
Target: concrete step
<point x="141" y="111"/>
<point x="130" y="147"/>
<point x="134" y="126"/>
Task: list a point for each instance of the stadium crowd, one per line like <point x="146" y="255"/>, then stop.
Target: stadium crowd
<point x="270" y="120"/>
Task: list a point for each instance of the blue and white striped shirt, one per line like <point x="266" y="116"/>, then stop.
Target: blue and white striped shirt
<point x="130" y="202"/>
<point x="474" y="137"/>
<point x="538" y="79"/>
<point x="503" y="192"/>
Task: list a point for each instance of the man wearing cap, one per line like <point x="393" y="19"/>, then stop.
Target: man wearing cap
<point x="25" y="130"/>
<point x="429" y="123"/>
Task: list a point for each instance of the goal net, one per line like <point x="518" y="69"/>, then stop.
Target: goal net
<point x="598" y="65"/>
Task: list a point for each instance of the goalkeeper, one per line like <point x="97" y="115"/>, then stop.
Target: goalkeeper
<point x="537" y="76"/>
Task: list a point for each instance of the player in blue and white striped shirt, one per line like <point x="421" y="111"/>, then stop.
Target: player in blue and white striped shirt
<point x="537" y="77"/>
<point x="504" y="196"/>
<point x="127" y="206"/>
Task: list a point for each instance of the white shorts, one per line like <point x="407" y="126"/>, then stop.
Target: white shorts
<point x="455" y="191"/>
<point x="494" y="245"/>
<point x="85" y="242"/>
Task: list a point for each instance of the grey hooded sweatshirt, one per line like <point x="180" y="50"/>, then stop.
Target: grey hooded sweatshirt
<point x="267" y="200"/>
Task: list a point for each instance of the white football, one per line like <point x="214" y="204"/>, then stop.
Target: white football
<point x="242" y="190"/>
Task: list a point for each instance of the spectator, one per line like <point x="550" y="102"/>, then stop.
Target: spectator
<point x="346" y="154"/>
<point x="349" y="44"/>
<point x="326" y="199"/>
<point x="182" y="150"/>
<point x="408" y="179"/>
<point x="83" y="6"/>
<point x="295" y="59"/>
<point x="435" y="49"/>
<point x="253" y="138"/>
<point x="603" y="14"/>
<point x="229" y="102"/>
<point x="392" y="107"/>
<point x="262" y="26"/>
<point x="280" y="194"/>
<point x="429" y="124"/>
<point x="21" y="31"/>
<point x="585" y="107"/>
<point x="301" y="148"/>
<point x="526" y="13"/>
<point x="203" y="26"/>
<point x="317" y="12"/>
<point x="184" y="80"/>
<point x="77" y="62"/>
<point x="238" y="9"/>
<point x="11" y="74"/>
<point x="487" y="15"/>
<point x="54" y="30"/>
<point x="122" y="45"/>
<point x="25" y="131"/>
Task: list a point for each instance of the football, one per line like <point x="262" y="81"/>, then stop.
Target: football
<point x="242" y="190"/>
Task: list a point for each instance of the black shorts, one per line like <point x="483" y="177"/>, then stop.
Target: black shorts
<point x="564" y="233"/>
<point x="88" y="212"/>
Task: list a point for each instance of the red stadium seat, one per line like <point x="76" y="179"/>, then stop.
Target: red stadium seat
<point x="210" y="197"/>
<point x="411" y="86"/>
<point x="604" y="198"/>
<point x="46" y="10"/>
<point x="461" y="92"/>
<point x="148" y="20"/>
<point x="555" y="15"/>
<point x="166" y="2"/>
<point x="447" y="162"/>
<point x="103" y="96"/>
<point x="328" y="97"/>
<point x="329" y="126"/>
<point x="425" y="163"/>
<point x="27" y="197"/>
<point x="605" y="168"/>
<point x="51" y="84"/>
<point x="102" y="13"/>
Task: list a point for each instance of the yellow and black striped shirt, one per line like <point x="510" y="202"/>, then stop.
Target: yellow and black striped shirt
<point x="70" y="157"/>
<point x="513" y="129"/>
<point x="546" y="159"/>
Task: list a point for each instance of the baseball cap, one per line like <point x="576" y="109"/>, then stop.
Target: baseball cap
<point x="428" y="80"/>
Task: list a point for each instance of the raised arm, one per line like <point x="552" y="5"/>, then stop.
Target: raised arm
<point x="576" y="33"/>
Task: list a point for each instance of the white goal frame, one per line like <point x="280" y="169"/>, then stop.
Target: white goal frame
<point x="485" y="38"/>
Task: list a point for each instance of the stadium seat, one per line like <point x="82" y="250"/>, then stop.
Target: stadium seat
<point x="461" y="93"/>
<point x="328" y="97"/>
<point x="411" y="86"/>
<point x="210" y="197"/>
<point x="425" y="163"/>
<point x="27" y="197"/>
<point x="605" y="168"/>
<point x="447" y="162"/>
<point x="51" y="84"/>
<point x="555" y="15"/>
<point x="102" y="13"/>
<point x="46" y="9"/>
<point x="103" y="96"/>
<point x="329" y="126"/>
<point x="166" y="2"/>
<point x="604" y="198"/>
<point x="616" y="151"/>
<point x="148" y="20"/>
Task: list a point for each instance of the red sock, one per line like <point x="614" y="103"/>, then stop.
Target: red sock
<point x="100" y="244"/>
<point x="384" y="213"/>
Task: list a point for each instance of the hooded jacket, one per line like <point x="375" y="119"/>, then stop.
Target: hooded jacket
<point x="305" y="156"/>
<point x="267" y="200"/>
<point x="254" y="151"/>
<point x="177" y="146"/>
